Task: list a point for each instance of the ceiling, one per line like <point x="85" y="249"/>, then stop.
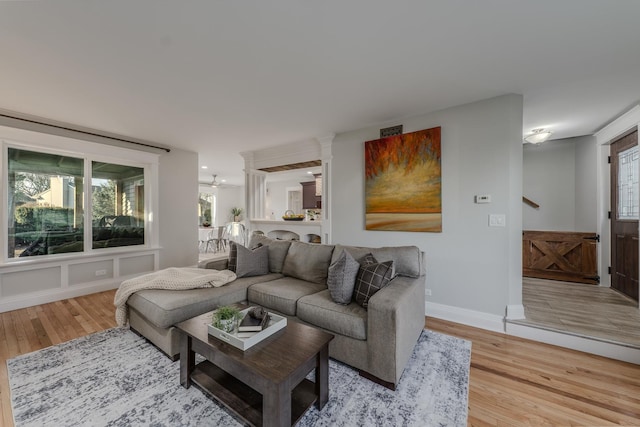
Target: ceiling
<point x="221" y="77"/>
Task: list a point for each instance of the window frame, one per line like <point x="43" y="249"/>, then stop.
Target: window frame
<point x="88" y="152"/>
<point x="214" y="208"/>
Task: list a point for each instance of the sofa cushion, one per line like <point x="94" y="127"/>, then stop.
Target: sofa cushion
<point x="341" y="278"/>
<point x="251" y="262"/>
<point x="320" y="310"/>
<point x="407" y="260"/>
<point x="164" y="307"/>
<point x="282" y="294"/>
<point x="277" y="250"/>
<point x="308" y="261"/>
<point x="371" y="278"/>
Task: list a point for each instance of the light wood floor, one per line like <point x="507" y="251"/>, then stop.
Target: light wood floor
<point x="514" y="382"/>
<point x="584" y="310"/>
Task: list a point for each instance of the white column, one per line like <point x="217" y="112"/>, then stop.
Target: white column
<point x="255" y="189"/>
<point x="326" y="157"/>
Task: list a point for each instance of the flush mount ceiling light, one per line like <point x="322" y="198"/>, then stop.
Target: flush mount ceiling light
<point x="538" y="136"/>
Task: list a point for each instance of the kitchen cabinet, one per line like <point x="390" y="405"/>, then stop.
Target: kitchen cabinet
<point x="309" y="198"/>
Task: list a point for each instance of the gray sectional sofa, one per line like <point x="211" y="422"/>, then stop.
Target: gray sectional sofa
<point x="377" y="340"/>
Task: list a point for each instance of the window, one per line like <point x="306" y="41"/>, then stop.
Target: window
<point x="206" y="208"/>
<point x="46" y="214"/>
<point x="47" y="200"/>
<point x="628" y="200"/>
<point x="117" y="208"/>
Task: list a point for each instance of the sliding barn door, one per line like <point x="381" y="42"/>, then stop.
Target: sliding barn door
<point x="625" y="211"/>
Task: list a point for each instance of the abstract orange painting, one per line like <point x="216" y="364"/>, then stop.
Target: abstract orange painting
<point x="403" y="182"/>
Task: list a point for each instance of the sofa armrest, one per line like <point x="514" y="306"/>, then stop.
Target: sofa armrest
<point x="218" y="264"/>
<point x="395" y="320"/>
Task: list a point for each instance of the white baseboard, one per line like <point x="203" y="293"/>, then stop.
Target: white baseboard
<point x="587" y="345"/>
<point x="515" y="312"/>
<point x="478" y="319"/>
<point x="51" y="295"/>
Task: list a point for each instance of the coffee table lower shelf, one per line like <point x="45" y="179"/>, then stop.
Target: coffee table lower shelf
<point x="242" y="400"/>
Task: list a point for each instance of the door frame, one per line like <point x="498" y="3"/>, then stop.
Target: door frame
<point x="604" y="137"/>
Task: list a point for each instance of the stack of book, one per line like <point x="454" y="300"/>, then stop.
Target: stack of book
<point x="251" y="325"/>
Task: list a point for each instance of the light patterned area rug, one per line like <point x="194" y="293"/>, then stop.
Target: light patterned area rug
<point x="116" y="378"/>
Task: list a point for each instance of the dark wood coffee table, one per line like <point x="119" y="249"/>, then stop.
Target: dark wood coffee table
<point x="264" y="385"/>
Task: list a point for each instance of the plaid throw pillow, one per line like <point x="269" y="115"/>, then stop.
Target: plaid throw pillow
<point x="233" y="257"/>
<point x="370" y="279"/>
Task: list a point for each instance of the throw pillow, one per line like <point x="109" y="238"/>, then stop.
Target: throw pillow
<point x="341" y="278"/>
<point x="368" y="259"/>
<point x="308" y="261"/>
<point x="252" y="262"/>
<point x="370" y="279"/>
<point x="233" y="257"/>
<point x="277" y="250"/>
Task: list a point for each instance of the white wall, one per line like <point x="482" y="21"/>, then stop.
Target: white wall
<point x="560" y="176"/>
<point x="586" y="184"/>
<point x="277" y="197"/>
<point x="228" y="198"/>
<point x="470" y="266"/>
<point x="178" y="208"/>
<point x="549" y="180"/>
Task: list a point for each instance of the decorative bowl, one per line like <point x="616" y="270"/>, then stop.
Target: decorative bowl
<point x="290" y="216"/>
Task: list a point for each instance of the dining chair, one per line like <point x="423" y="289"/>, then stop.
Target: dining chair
<point x="212" y="239"/>
<point x="221" y="240"/>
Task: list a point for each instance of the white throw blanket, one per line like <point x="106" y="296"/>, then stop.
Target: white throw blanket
<point x="170" y="278"/>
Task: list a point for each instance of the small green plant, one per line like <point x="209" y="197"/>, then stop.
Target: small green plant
<point x="227" y="312"/>
<point x="225" y="318"/>
<point x="235" y="213"/>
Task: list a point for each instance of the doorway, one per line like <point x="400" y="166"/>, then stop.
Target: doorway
<point x="294" y="200"/>
<point x="625" y="212"/>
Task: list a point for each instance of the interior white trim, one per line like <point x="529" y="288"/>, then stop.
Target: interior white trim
<point x="44" y="297"/>
<point x="619" y="126"/>
<point x="604" y="137"/>
<point x="587" y="345"/>
<point x="464" y="316"/>
<point x="515" y="311"/>
<point x="496" y="323"/>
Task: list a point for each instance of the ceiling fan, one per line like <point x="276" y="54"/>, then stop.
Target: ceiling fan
<point x="217" y="184"/>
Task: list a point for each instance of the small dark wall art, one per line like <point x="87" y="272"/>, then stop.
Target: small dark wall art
<point x="403" y="182"/>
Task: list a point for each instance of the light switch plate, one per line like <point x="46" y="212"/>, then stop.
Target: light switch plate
<point x="497" y="220"/>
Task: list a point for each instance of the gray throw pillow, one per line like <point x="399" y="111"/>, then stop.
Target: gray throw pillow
<point x="251" y="262"/>
<point x="370" y="279"/>
<point x="341" y="279"/>
<point x="308" y="261"/>
<point x="277" y="250"/>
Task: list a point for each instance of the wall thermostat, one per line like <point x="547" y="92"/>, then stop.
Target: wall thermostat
<point x="485" y="198"/>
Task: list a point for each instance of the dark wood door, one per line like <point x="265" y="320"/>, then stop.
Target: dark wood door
<point x="625" y="211"/>
<point x="559" y="255"/>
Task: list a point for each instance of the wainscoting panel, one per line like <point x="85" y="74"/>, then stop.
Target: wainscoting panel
<point x="36" y="279"/>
